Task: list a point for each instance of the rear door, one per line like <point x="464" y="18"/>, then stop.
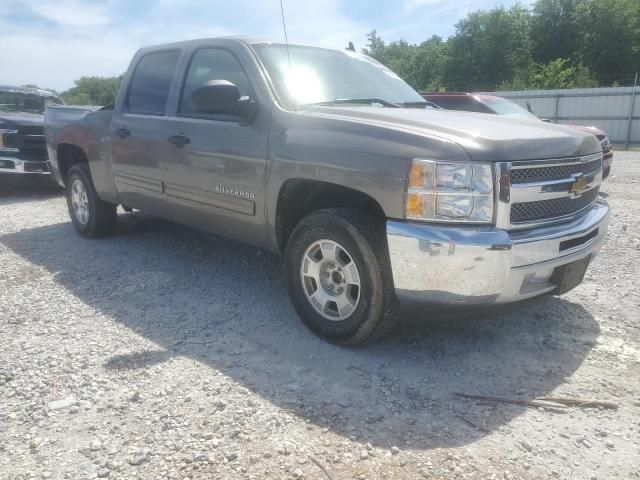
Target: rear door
<point x="139" y="131"/>
<point x="215" y="178"/>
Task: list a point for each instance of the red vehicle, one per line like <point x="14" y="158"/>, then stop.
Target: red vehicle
<point x="473" y="102"/>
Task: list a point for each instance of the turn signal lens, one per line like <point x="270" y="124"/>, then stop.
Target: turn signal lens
<point x="420" y="205"/>
<point x="416" y="177"/>
<point x="414" y="205"/>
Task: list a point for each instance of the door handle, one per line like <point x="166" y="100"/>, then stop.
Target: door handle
<point x="179" y="140"/>
<point x="123" y="132"/>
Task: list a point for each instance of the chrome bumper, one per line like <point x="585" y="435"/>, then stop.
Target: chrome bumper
<point x="24" y="167"/>
<point x="487" y="265"/>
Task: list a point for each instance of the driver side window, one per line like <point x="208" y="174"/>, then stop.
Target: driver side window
<point x="212" y="64"/>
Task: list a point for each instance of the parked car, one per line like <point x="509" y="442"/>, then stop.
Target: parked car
<point x="330" y="159"/>
<point x="476" y="102"/>
<point x="23" y="148"/>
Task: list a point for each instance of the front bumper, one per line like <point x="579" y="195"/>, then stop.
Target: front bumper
<point x="26" y="167"/>
<point x="487" y="265"/>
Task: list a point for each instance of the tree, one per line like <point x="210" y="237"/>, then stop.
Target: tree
<point x="375" y="47"/>
<point x="558" y="73"/>
<point x="93" y="91"/>
<point x="489" y="47"/>
<point x="554" y="30"/>
<point x="609" y="35"/>
<point x="421" y="66"/>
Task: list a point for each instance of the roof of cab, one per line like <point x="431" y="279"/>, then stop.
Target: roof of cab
<point x="247" y="40"/>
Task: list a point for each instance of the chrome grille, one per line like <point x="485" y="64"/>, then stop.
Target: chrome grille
<point x="34" y="146"/>
<point x="541" y="174"/>
<point x="556" y="207"/>
<point x="538" y="192"/>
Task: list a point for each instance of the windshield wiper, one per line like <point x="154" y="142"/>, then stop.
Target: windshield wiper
<point x="345" y="101"/>
<point x="420" y="104"/>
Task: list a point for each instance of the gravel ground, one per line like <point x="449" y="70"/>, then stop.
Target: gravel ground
<point x="165" y="353"/>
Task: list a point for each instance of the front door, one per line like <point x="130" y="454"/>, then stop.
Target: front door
<point x="215" y="178"/>
<point x="139" y="132"/>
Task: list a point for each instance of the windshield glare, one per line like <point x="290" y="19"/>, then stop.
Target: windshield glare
<point x="320" y="75"/>
<point x="509" y="109"/>
<point x="25" y="102"/>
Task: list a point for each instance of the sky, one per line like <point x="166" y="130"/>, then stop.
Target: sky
<point x="51" y="43"/>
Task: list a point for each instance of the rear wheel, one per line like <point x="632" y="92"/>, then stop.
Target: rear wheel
<point x="339" y="276"/>
<point x="91" y="216"/>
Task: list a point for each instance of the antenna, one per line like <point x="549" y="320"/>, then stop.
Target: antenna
<point x="286" y="41"/>
<point x="284" y="27"/>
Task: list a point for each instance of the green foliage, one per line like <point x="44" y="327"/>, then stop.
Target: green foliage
<point x="488" y="47"/>
<point x="421" y="66"/>
<point x="558" y="73"/>
<point x="554" y="30"/>
<point x="609" y="35"/>
<point x="93" y="91"/>
<point x="557" y="44"/>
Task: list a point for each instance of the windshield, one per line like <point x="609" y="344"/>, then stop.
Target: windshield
<point x="26" y="102"/>
<point x="319" y="75"/>
<point x="508" y="108"/>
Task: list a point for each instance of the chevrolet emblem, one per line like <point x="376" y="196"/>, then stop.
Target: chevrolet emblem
<point x="580" y="185"/>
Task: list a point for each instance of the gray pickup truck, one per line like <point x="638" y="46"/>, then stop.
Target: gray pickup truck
<point x="329" y="158"/>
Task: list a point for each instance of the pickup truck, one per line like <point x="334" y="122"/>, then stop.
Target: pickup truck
<point x="23" y="151"/>
<point x="327" y="157"/>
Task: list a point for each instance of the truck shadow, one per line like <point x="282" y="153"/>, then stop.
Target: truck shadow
<point x="225" y="304"/>
<point x="15" y="189"/>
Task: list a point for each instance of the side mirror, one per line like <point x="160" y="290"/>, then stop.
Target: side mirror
<point x="221" y="97"/>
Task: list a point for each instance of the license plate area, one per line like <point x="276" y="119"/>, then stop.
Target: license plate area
<point x="569" y="276"/>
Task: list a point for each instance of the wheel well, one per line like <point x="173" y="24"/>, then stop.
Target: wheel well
<point x="298" y="198"/>
<point x="68" y="156"/>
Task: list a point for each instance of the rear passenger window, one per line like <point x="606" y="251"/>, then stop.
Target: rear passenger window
<point x="213" y="64"/>
<point x="151" y="82"/>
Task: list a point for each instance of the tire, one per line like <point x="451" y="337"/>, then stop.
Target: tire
<point x="606" y="172"/>
<point x="95" y="218"/>
<point x="371" y="308"/>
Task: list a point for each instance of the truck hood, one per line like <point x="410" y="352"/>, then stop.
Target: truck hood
<point x="12" y="119"/>
<point x="485" y="137"/>
<point x="592" y="130"/>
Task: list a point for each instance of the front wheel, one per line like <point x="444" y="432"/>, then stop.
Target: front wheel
<point x="339" y="276"/>
<point x="91" y="216"/>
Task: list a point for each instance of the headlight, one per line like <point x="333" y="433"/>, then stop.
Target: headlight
<point x="450" y="191"/>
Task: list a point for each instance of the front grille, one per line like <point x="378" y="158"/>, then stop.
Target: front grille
<point x="33" y="146"/>
<point x="29" y="142"/>
<point x="547" y="209"/>
<point x="542" y="174"/>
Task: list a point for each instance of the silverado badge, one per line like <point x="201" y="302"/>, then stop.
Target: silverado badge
<point x="580" y="185"/>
